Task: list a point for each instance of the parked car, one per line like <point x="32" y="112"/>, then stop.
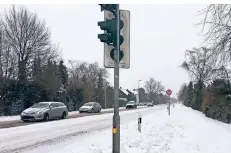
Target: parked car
<point x="150" y="105"/>
<point x="45" y="111"/>
<point x="131" y="104"/>
<point x="90" y="107"/>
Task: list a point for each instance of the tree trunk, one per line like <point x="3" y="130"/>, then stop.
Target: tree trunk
<point x="22" y="77"/>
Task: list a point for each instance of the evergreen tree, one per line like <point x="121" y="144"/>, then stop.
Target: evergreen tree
<point x="62" y="72"/>
<point x="198" y="95"/>
<point x="189" y="98"/>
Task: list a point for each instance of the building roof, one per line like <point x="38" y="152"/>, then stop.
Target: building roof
<point x="124" y="91"/>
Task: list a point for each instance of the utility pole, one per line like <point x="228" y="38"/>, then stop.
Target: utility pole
<point x="116" y="116"/>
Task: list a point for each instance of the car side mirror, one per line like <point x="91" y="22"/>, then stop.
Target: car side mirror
<point x="50" y="107"/>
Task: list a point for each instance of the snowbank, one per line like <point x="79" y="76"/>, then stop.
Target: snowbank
<point x="9" y="118"/>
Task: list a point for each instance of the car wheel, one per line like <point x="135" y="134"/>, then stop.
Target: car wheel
<point x="25" y="120"/>
<point x="64" y="115"/>
<point x="46" y="117"/>
<point x="99" y="111"/>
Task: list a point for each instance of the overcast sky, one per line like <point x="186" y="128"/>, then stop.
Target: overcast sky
<point x="160" y="34"/>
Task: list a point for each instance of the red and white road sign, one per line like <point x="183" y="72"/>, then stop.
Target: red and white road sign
<point x="168" y="92"/>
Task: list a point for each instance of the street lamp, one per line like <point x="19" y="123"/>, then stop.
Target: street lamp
<point x="139" y="91"/>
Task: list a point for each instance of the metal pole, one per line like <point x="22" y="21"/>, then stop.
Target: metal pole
<point x="138" y="91"/>
<point x="105" y="97"/>
<point x="169" y="106"/>
<point x="116" y="117"/>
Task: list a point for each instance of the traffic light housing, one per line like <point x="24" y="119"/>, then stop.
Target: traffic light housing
<point x="108" y="7"/>
<point x="110" y="28"/>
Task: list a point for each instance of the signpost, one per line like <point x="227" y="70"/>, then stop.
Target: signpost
<point x="139" y="123"/>
<point x="169" y="92"/>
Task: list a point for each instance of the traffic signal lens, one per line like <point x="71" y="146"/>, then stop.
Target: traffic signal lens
<point x="112" y="54"/>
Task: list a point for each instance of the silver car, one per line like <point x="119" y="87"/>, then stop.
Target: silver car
<point x="45" y="111"/>
<point x="90" y="107"/>
<point x="131" y="104"/>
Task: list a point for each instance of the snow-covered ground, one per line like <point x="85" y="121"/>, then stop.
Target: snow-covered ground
<point x="15" y="138"/>
<point x="185" y="131"/>
<point x="9" y="118"/>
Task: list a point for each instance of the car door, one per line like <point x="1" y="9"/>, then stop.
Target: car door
<point x="94" y="107"/>
<point x="52" y="111"/>
<point x="99" y="107"/>
<point x="59" y="109"/>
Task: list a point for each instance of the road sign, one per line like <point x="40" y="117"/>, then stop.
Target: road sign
<point x="125" y="46"/>
<point x="169" y="92"/>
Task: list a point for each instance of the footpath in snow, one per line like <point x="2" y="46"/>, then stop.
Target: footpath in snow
<point x="185" y="131"/>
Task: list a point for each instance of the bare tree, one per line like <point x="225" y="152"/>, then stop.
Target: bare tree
<point x="217" y="28"/>
<point x="27" y="37"/>
<point x="86" y="76"/>
<point x="200" y="63"/>
<point x="153" y="88"/>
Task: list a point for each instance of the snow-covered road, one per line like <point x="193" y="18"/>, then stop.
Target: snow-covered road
<point x="31" y="136"/>
<point x="185" y="131"/>
<point x="17" y="118"/>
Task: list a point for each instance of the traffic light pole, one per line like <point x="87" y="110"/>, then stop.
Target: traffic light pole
<point x="116" y="116"/>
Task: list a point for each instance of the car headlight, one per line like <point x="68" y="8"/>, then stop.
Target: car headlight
<point x="39" y="112"/>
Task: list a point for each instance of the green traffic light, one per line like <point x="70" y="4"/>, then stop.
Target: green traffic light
<point x="112" y="54"/>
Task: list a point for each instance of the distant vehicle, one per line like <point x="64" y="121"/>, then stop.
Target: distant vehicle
<point x="90" y="107"/>
<point x="45" y="111"/>
<point x="131" y="104"/>
<point x="141" y="104"/>
<point x="150" y="105"/>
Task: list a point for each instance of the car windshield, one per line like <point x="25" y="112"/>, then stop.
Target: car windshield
<point x="131" y="102"/>
<point x="40" y="105"/>
<point x="88" y="104"/>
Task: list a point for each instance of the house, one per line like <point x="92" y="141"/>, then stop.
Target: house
<point x="124" y="97"/>
<point x="131" y="96"/>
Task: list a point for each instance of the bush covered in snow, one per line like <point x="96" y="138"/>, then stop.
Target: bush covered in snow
<point x="219" y="112"/>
